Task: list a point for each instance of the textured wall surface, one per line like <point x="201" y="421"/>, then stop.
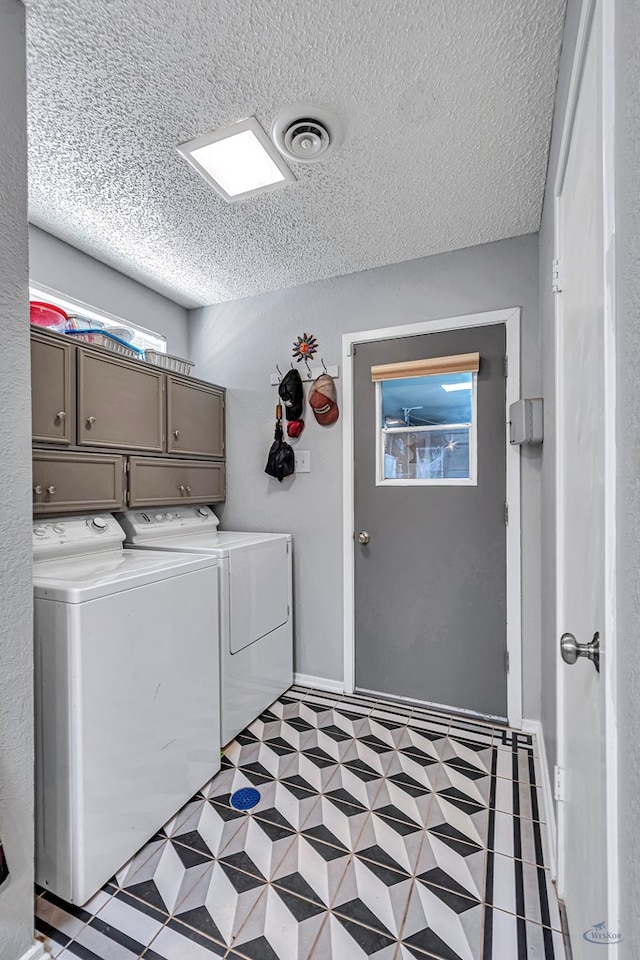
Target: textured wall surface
<point x="16" y="683"/>
<point x="628" y="350"/>
<point x="65" y="269"/>
<point x="547" y="328"/>
<point x="447" y="108"/>
<point x="238" y="344"/>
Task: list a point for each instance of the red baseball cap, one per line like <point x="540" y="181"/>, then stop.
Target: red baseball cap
<point x="323" y="400"/>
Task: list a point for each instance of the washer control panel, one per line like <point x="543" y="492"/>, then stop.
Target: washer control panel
<point x="73" y="536"/>
<point x="168" y="522"/>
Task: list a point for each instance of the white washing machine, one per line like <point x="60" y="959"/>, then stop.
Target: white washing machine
<point x="126" y="680"/>
<point x="256" y="611"/>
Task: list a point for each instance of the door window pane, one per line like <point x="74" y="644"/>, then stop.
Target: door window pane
<point x="427" y="429"/>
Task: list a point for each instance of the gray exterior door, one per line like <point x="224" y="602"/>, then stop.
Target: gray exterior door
<point x="430" y="585"/>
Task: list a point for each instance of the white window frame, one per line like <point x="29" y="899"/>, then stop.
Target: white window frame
<point x="147" y="339"/>
<point x="470" y="481"/>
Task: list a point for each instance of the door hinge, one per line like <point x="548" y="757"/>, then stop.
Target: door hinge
<point x="555" y="276"/>
<point x="506" y="513"/>
<point x="558" y="783"/>
<point x="506" y="660"/>
<point x="506" y="367"/>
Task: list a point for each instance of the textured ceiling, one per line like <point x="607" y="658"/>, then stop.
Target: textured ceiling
<point x="447" y="106"/>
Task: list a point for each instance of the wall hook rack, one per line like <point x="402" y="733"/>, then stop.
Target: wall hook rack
<point x="311" y="373"/>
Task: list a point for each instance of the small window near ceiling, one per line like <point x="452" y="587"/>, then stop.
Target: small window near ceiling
<point x="427" y="429"/>
<point x="141" y="337"/>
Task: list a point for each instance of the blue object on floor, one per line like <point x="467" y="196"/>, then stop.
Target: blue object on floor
<point x="245" y="799"/>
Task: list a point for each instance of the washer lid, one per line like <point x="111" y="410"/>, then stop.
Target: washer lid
<point x="77" y="579"/>
<point x="214" y="544"/>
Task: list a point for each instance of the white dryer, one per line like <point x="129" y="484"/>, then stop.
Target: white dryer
<point x="126" y="680"/>
<point x="256" y="611"/>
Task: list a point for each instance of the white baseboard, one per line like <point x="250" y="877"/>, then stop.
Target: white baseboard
<point x="319" y="683"/>
<point x="549" y="811"/>
<point x="36" y="952"/>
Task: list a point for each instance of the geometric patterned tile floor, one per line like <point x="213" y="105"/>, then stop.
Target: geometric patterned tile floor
<point x="382" y="832"/>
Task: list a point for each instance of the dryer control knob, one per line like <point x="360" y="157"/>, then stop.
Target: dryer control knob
<point x="99" y="524"/>
<point x="201" y="511"/>
<point x="40" y="531"/>
<point x="159" y="516"/>
<point x="58" y="528"/>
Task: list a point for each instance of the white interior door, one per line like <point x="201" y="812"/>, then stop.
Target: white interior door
<point x="584" y="853"/>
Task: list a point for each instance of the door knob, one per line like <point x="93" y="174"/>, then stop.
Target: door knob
<point x="571" y="650"/>
<point x="37" y="489"/>
<point x="176" y="434"/>
<point x="61" y="415"/>
<point x="363" y="537"/>
<point x="91" y="421"/>
<point x="51" y="490"/>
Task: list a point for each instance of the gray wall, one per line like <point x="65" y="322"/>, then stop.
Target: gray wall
<point x="16" y="692"/>
<point x="69" y="271"/>
<point x="238" y="344"/>
<point x="628" y="423"/>
<point x="547" y="534"/>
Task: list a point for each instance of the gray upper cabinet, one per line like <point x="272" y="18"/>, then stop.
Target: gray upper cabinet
<point x="120" y="405"/>
<point x="52" y="405"/>
<point x="195" y="419"/>
<point x="65" y="481"/>
<point x="132" y="433"/>
<point x="157" y="482"/>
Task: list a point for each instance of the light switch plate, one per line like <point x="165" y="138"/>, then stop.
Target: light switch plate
<point x="303" y="461"/>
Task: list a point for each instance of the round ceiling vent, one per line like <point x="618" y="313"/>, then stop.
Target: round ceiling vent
<point x="306" y="133"/>
<point x="306" y="140"/>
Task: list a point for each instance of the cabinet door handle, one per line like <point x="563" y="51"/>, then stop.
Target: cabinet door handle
<point x="51" y="490"/>
<point x="181" y="488"/>
<point x="176" y="434"/>
<point x="37" y="489"/>
<point x="61" y="415"/>
<point x="91" y="421"/>
<point x="188" y="489"/>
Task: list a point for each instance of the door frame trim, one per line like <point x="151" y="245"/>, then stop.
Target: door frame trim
<point x="510" y="317"/>
<point x="609" y="660"/>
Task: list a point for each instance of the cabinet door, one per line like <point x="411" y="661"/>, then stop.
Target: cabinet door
<point x="51" y="396"/>
<point x="119" y="405"/>
<point x="68" y="482"/>
<point x="195" y="419"/>
<point x="157" y="482"/>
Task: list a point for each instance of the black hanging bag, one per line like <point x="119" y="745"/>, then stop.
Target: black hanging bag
<point x="280" y="462"/>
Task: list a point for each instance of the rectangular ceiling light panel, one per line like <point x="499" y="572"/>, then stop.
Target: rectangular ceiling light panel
<point x="238" y="161"/>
